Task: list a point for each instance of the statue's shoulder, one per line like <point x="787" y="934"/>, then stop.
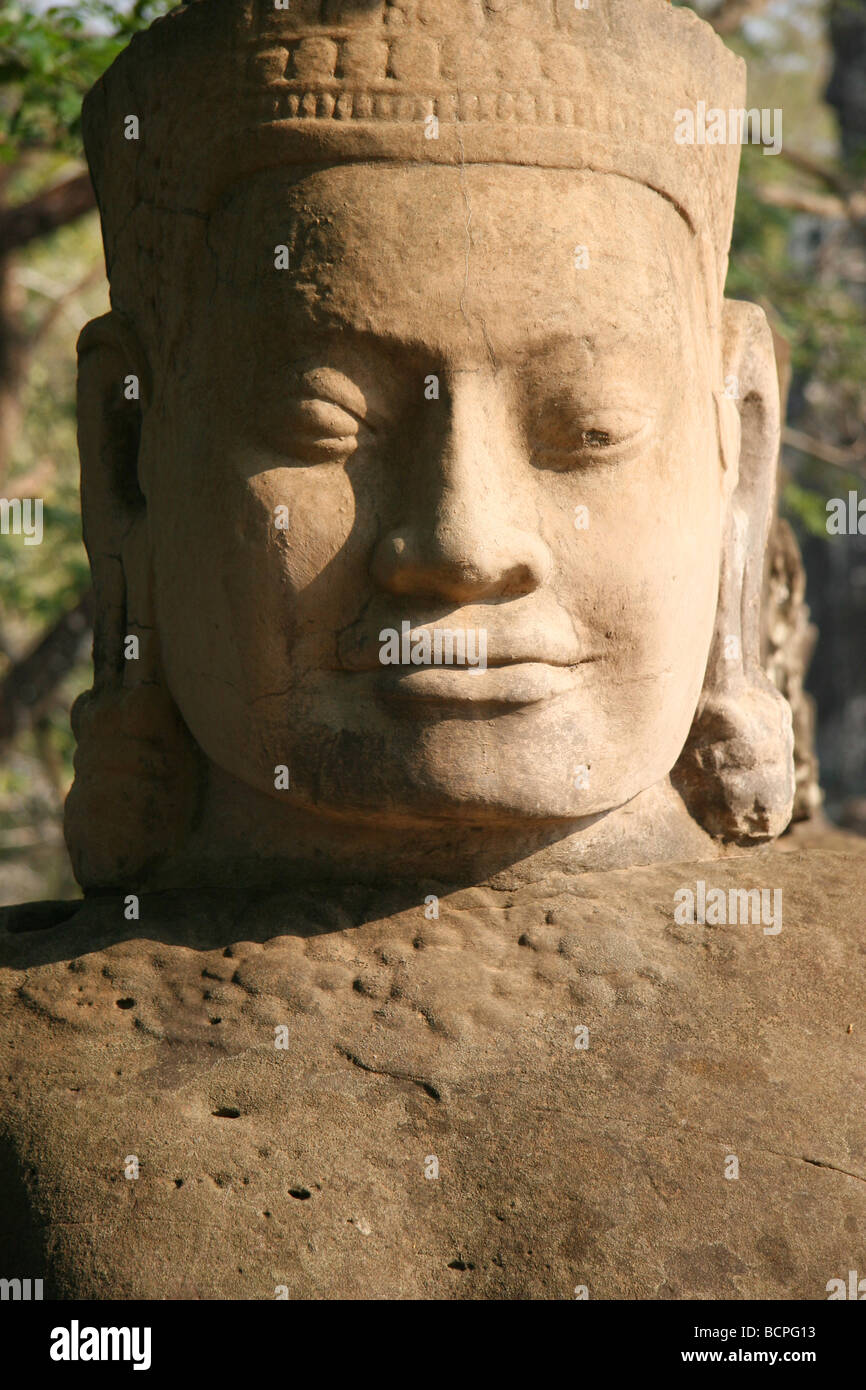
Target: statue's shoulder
<point x="476" y="1093"/>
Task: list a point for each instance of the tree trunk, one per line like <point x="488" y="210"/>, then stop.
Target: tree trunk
<point x="13" y="368"/>
<point x="32" y="681"/>
<point x="846" y="90"/>
<point x="21" y="224"/>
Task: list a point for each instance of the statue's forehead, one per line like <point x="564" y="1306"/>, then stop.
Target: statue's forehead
<point x="397" y="251"/>
<point x="499" y="205"/>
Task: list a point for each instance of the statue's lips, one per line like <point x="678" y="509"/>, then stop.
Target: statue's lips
<point x="529" y="653"/>
<point x="530" y="631"/>
<point x="517" y="683"/>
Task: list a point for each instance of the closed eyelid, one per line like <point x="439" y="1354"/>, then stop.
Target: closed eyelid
<point x="333" y="388"/>
<point x="588" y="408"/>
<point x="601" y="436"/>
<point x="324" y="417"/>
<point x="622" y="424"/>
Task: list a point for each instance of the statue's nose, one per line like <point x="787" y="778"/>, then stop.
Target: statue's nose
<point x="463" y="534"/>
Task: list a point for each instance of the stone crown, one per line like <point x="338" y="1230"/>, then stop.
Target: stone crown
<point x="225" y="88"/>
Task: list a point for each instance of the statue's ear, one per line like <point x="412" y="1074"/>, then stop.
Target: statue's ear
<point x="136" y="770"/>
<point x="113" y="392"/>
<point x="736" y="772"/>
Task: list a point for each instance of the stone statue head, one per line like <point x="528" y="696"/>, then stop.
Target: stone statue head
<point x="422" y="454"/>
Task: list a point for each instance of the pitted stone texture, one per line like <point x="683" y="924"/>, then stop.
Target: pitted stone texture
<point x="409" y="1038"/>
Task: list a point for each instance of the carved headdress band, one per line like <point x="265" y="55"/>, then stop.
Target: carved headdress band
<point x="224" y="88"/>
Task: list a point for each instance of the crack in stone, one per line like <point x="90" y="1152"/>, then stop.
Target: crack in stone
<point x="468" y="205"/>
<point x="426" y="1086"/>
<point x="779" y="1153"/>
<point x="822" y="1163"/>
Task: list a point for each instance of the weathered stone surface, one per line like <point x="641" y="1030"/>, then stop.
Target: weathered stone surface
<point x="455" y="1038"/>
<point x="358" y="374"/>
<point x="475" y="377"/>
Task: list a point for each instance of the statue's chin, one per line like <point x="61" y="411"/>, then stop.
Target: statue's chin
<point x="497" y="809"/>
<point x="240" y="839"/>
<point x="497" y="782"/>
<point x="426" y="798"/>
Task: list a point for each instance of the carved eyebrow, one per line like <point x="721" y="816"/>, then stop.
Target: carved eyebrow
<point x="327" y="324"/>
<point x="556" y="340"/>
<point x="401" y="355"/>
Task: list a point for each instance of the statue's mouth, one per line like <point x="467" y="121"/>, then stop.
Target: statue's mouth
<point x="509" y="683"/>
<point x="530" y="632"/>
<point x="479" y="656"/>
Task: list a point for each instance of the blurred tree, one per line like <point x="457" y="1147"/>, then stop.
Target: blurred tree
<point x="846" y="90"/>
<point x="51" y="281"/>
<point x="48" y="60"/>
<point x="798" y="243"/>
<point x="726" y="16"/>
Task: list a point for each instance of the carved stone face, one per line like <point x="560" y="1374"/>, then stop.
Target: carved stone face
<point x="564" y="383"/>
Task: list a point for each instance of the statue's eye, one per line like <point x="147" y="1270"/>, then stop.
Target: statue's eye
<point x="596" y="439"/>
<point x="321" y="431"/>
<point x="609" y="436"/>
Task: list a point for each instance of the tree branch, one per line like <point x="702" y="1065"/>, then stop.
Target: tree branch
<point x="52" y="208"/>
<point x="782" y="195"/>
<point x="850" y="460"/>
<point x="61" y="302"/>
<point x="834" y="179"/>
<point x="37" y="675"/>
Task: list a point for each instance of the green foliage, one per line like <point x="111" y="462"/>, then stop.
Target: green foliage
<point x="49" y="60"/>
<point x="806" y="507"/>
<point x="47" y="63"/>
<point x="823" y="324"/>
<point x="38" y="583"/>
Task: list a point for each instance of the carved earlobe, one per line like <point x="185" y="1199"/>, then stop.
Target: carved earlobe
<point x="136" y="768"/>
<point x="736" y="772"/>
